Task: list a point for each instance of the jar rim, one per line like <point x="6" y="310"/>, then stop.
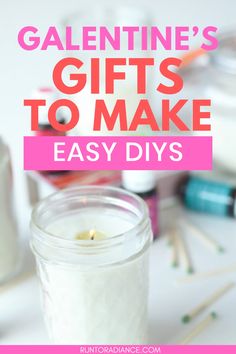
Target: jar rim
<point x="51" y="237"/>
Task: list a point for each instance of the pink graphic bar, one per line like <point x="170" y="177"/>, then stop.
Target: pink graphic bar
<point x="116" y="349"/>
<point x="118" y="153"/>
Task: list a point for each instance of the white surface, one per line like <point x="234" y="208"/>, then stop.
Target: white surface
<point x="21" y="319"/>
<point x="20" y="72"/>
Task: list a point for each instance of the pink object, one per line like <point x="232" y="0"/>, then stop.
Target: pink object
<point x="126" y="152"/>
<point x="138" y="349"/>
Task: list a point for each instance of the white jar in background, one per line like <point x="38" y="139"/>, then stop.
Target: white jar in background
<point x="109" y="14"/>
<point x="213" y="76"/>
<point x="221" y="89"/>
<point x="9" y="243"/>
<point x="91" y="246"/>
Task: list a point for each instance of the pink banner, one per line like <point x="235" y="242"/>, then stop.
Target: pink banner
<point x="118" y="153"/>
<point x="117" y="349"/>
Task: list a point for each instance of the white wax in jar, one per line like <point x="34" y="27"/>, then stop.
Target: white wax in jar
<point x="96" y="305"/>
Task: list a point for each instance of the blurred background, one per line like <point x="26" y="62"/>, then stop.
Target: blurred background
<point x="22" y="72"/>
<point x="213" y="77"/>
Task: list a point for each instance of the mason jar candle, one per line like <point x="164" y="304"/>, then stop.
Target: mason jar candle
<point x="91" y="246"/>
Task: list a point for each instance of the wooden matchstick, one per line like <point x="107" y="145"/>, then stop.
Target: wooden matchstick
<point x="202" y="236"/>
<point x="174" y="244"/>
<point x="205" y="275"/>
<point x="199" y="328"/>
<point x="184" y="253"/>
<point x="206" y="303"/>
<point x="170" y="237"/>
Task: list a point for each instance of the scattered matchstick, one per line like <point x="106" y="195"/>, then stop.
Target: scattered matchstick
<point x="206" y="303"/>
<point x="174" y="244"/>
<point x="202" y="236"/>
<point x="199" y="328"/>
<point x="184" y="254"/>
<point x="170" y="237"/>
<point x="204" y="275"/>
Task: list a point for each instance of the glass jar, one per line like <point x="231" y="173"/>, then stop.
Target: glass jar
<point x="221" y="89"/>
<point x="91" y="246"/>
<point x="9" y="242"/>
<point x="213" y="76"/>
<point x="109" y="15"/>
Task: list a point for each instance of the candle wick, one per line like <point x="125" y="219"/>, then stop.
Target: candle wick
<point x="92" y="234"/>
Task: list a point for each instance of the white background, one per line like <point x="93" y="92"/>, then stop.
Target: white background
<point x="20" y="72"/>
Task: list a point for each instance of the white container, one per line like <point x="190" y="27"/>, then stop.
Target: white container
<point x="109" y="14"/>
<point x="95" y="288"/>
<point x="9" y="243"/>
<point x="216" y="80"/>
